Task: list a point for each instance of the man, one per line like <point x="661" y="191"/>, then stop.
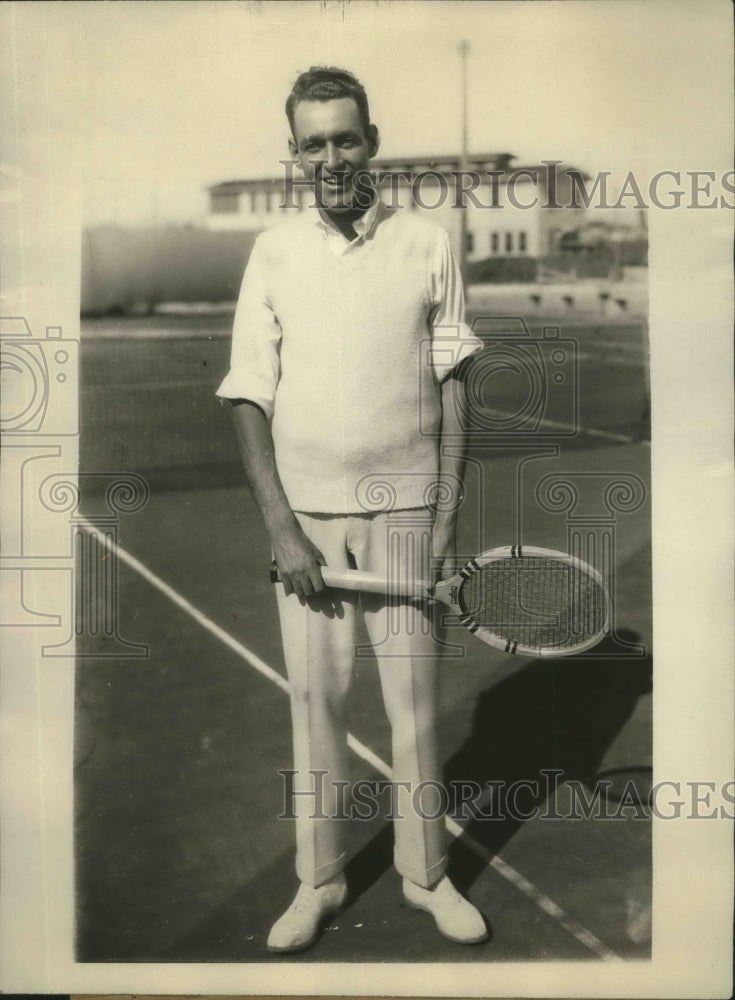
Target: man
<point x="339" y="411"/>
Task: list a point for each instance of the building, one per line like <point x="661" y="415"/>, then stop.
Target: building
<point x="512" y="211"/>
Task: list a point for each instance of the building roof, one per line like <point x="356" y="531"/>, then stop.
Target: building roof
<point x="449" y="161"/>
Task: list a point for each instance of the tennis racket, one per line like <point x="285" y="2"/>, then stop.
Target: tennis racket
<point x="520" y="599"/>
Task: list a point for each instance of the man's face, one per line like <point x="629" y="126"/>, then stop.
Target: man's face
<point x="332" y="147"/>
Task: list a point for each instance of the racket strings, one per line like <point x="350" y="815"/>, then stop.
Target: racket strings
<point x="540" y="603"/>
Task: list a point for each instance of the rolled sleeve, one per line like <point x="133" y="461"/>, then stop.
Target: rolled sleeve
<point x="256" y="342"/>
<point x="451" y="339"/>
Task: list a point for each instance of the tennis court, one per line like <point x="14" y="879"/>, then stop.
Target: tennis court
<point x="180" y="854"/>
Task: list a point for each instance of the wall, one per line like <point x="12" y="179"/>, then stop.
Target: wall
<point x="132" y="270"/>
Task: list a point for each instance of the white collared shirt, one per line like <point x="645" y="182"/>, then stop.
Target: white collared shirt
<point x="336" y="241"/>
<point x="343" y="343"/>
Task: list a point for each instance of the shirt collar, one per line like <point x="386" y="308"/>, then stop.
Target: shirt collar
<point x="362" y="226"/>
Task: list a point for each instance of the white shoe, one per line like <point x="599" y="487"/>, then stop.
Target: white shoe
<point x="300" y="924"/>
<point x="456" y="918"/>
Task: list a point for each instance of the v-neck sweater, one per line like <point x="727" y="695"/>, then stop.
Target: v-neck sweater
<point x="356" y="413"/>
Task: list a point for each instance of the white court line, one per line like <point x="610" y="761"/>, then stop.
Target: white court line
<point x="621" y="345"/>
<point x="591" y="431"/>
<point x="585" y="937"/>
<point x="614" y="360"/>
<point x="154" y="384"/>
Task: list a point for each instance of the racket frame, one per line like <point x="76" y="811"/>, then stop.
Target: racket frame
<point x="448" y="592"/>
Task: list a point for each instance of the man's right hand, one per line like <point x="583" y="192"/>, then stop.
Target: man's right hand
<point x="297" y="558"/>
<point x="298" y="561"/>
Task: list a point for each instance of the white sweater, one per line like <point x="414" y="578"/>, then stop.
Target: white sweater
<point x="345" y="354"/>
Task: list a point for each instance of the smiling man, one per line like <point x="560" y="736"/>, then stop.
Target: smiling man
<point x="333" y="149"/>
<point x="340" y="412"/>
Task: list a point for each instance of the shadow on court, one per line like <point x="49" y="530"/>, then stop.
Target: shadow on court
<point x="552" y="722"/>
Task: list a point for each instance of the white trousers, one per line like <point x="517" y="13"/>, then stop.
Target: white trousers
<point x="319" y="648"/>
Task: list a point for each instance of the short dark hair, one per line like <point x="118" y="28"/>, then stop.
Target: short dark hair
<point x="327" y="83"/>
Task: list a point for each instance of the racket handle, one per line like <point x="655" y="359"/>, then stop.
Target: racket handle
<point x="369" y="583"/>
<point x="374" y="583"/>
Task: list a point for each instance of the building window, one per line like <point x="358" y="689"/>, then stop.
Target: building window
<point x="267" y="201"/>
<point x="522" y="243"/>
<point x="470" y="242"/>
<point x="509" y="242"/>
<point x="222" y="203"/>
<point x="494" y="243"/>
<point x="253" y="202"/>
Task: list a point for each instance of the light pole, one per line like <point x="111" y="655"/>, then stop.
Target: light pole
<point x="464" y="48"/>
